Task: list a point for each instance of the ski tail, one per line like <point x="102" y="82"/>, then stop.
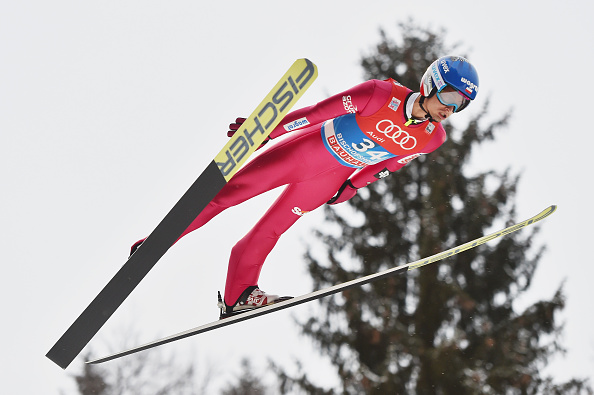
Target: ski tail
<point x="242" y="144"/>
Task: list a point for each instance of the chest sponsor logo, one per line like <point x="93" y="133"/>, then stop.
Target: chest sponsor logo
<point x="398" y="136"/>
<point x="339" y="147"/>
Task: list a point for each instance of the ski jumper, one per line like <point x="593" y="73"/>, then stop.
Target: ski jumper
<point x="366" y="130"/>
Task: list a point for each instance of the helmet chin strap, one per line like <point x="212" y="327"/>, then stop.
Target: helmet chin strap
<point x="421" y="101"/>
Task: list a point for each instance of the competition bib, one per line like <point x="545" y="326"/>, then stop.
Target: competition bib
<point x="359" y="141"/>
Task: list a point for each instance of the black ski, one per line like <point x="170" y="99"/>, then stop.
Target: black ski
<point x="253" y="132"/>
<point x="331" y="290"/>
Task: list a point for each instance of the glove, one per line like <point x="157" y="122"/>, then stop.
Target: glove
<point x="347" y="190"/>
<point x="234" y="127"/>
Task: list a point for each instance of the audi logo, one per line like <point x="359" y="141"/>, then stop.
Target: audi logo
<point x="397" y="135"/>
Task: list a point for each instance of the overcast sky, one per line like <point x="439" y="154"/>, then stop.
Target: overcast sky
<point x="110" y="110"/>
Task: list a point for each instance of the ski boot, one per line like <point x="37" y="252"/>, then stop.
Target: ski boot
<point x="250" y="299"/>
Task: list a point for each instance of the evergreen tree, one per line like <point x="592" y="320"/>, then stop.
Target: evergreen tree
<point x="143" y="373"/>
<point x="248" y="383"/>
<point x="92" y="381"/>
<point x="446" y="328"/>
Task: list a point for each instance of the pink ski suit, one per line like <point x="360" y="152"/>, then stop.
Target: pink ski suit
<point x="366" y="130"/>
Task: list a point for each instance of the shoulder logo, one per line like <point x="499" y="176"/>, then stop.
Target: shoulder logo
<point x="430" y="127"/>
<point x="349" y="107"/>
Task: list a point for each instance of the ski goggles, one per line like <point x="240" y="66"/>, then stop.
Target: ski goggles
<point x="453" y="98"/>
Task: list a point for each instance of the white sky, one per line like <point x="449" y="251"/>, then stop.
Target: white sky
<point x="110" y="110"/>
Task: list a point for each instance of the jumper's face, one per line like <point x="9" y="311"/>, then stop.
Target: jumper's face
<point x="445" y="102"/>
<point x="451" y="97"/>
<point x="438" y="111"/>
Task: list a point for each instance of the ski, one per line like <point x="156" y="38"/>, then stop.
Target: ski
<point x="242" y="144"/>
<point x="331" y="290"/>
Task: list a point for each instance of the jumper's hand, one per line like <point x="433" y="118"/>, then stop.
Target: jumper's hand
<point x="234" y="127"/>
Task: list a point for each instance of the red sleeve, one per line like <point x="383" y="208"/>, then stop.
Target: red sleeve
<point x="372" y="173"/>
<point x="364" y="98"/>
